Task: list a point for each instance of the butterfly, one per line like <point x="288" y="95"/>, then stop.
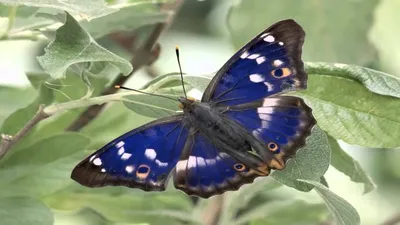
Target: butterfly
<point x="242" y="128"/>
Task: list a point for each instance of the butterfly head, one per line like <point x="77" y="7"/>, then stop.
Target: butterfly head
<point x="186" y="102"/>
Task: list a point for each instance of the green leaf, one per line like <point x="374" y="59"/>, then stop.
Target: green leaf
<point x="151" y="106"/>
<point x="311" y="162"/>
<point x="384" y="33"/>
<point x="127" y="207"/>
<point x="200" y="82"/>
<point x="342" y="211"/>
<point x="329" y="35"/>
<point x="288" y="212"/>
<point x="350" y="167"/>
<point x="101" y="131"/>
<point x="24" y="211"/>
<point x="245" y="195"/>
<point x="376" y="81"/>
<point x="42" y="168"/>
<point x="19" y="118"/>
<point x="12" y="98"/>
<point x="348" y="111"/>
<point x="170" y="85"/>
<point x="128" y="18"/>
<point x="74" y="45"/>
<point x="87" y="10"/>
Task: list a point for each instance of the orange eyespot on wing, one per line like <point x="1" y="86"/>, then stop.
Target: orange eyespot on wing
<point x="281" y="72"/>
<point x="143" y="171"/>
<point x="272" y="146"/>
<point x="239" y="167"/>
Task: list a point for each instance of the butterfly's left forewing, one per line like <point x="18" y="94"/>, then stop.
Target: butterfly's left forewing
<point x="142" y="158"/>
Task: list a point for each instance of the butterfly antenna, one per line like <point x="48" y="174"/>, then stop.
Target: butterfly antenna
<point x="180" y="70"/>
<point x="142" y="92"/>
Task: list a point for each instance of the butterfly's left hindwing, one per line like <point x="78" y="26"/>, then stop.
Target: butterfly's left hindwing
<point x="142" y="158"/>
<point x="269" y="64"/>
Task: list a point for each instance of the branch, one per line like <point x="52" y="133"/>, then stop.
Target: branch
<point x="213" y="212"/>
<point x="143" y="56"/>
<point x="395" y="219"/>
<point x="8" y="141"/>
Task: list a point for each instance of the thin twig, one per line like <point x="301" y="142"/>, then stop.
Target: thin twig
<point x="394" y="220"/>
<point x="212" y="213"/>
<point x="8" y="141"/>
<point x="143" y="56"/>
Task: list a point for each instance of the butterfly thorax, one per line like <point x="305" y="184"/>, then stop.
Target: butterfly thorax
<point x="210" y="121"/>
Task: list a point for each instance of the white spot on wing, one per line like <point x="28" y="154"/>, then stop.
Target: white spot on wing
<point x="277" y="62"/>
<point x="150" y="153"/>
<point x="269" y="85"/>
<point x="201" y="162"/>
<point x="126" y="156"/>
<point x="121" y="151"/>
<point x="191" y="161"/>
<point x="181" y="165"/>
<point x="253" y="56"/>
<point x="129" y="169"/>
<point x="260" y="60"/>
<point x="281" y="43"/>
<point x="244" y="55"/>
<point x="256" y="78"/>
<point x="264" y="117"/>
<point x="211" y="162"/>
<point x="161" y="164"/>
<point x="264" y="124"/>
<point x="103" y="170"/>
<point x="97" y="162"/>
<point x="270" y="102"/>
<point x="265" y="110"/>
<point x="269" y="38"/>
<point x="120" y="144"/>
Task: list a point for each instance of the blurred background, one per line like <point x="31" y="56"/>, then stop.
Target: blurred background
<point x="361" y="32"/>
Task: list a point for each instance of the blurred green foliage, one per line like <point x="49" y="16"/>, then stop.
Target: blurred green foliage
<point x="352" y="103"/>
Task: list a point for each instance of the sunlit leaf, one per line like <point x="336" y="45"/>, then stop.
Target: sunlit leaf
<point x="74" y="45"/>
<point x="342" y="211"/>
<point x="347" y="165"/>
<point x="376" y="81"/>
<point x="127" y="18"/>
<point x="86" y="9"/>
<point x="348" y="111"/>
<point x="311" y="162"/>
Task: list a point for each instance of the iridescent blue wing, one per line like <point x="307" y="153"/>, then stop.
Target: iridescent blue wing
<point x="142" y="158"/>
<point x="204" y="170"/>
<point x="269" y="64"/>
<point x="281" y="123"/>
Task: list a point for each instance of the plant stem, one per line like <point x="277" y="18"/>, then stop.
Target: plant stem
<point x="395" y="219"/>
<point x="12" y="13"/>
<point x="8" y="141"/>
<point x="212" y="213"/>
